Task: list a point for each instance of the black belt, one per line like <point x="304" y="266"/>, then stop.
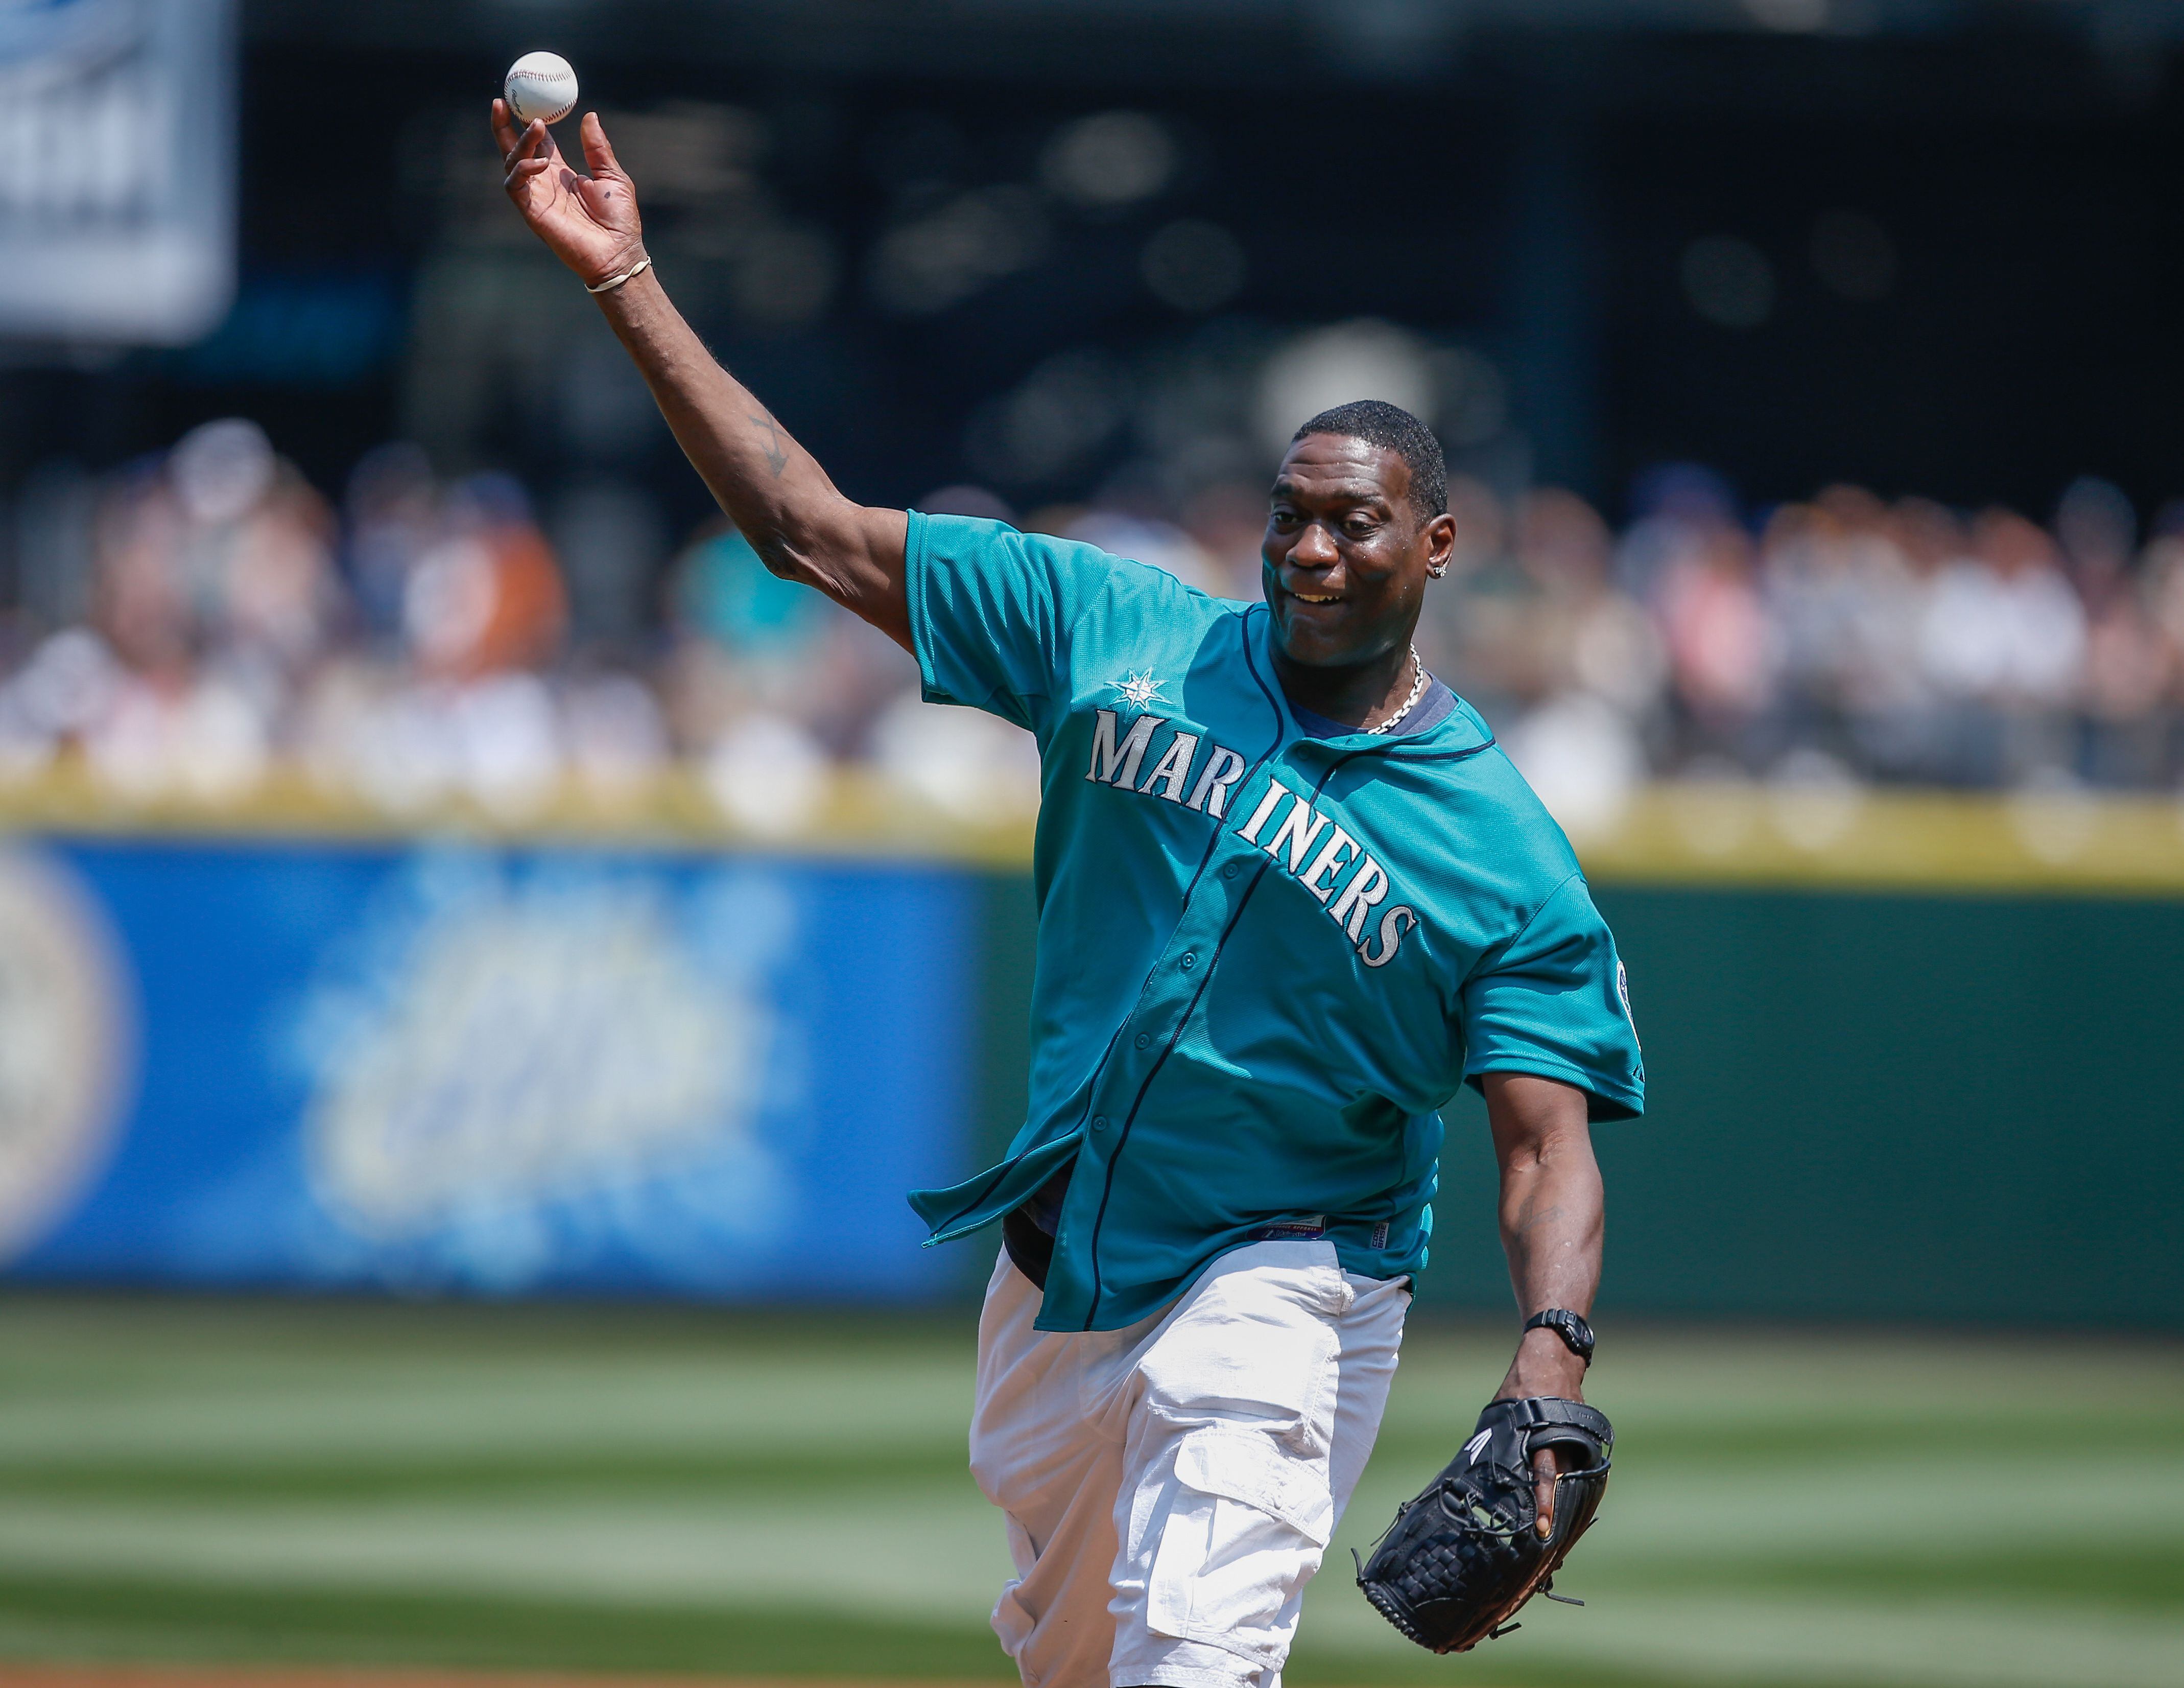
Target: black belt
<point x="1031" y="1250"/>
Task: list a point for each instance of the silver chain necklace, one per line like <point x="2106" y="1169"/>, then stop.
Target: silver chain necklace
<point x="1418" y="691"/>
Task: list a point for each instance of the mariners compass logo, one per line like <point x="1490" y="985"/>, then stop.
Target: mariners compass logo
<point x="1140" y="692"/>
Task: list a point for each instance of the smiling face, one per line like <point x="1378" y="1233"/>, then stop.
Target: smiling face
<point x="1347" y="555"/>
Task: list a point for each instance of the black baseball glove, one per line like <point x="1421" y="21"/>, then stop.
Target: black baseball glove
<point x="1459" y="1560"/>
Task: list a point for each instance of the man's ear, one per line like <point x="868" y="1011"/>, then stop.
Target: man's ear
<point x="1440" y="537"/>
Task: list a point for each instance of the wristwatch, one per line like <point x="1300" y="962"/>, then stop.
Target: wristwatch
<point x="1571" y="1327"/>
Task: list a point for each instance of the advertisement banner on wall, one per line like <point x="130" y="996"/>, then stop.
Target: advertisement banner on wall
<point x="117" y="205"/>
<point x="452" y="1069"/>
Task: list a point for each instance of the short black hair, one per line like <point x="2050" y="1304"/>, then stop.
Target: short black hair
<point x="1378" y="422"/>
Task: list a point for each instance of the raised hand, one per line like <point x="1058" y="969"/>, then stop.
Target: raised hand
<point x="589" y="222"/>
<point x="770" y="486"/>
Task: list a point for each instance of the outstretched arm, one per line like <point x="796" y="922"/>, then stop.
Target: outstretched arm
<point x="1553" y="1220"/>
<point x="771" y="488"/>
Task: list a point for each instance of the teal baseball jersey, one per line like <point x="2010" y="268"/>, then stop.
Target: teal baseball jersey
<point x="1266" y="960"/>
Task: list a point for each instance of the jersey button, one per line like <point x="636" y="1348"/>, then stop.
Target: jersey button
<point x="1144" y="1039"/>
<point x="1229" y="872"/>
<point x="1189" y="960"/>
<point x="1099" y="1122"/>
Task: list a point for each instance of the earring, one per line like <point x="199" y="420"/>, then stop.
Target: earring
<point x="1436" y="574"/>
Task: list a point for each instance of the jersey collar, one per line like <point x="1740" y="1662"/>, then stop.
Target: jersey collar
<point x="1461" y="730"/>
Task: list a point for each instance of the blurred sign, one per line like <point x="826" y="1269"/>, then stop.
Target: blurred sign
<point x="66" y="1055"/>
<point x="117" y="195"/>
<point x="443" y="1068"/>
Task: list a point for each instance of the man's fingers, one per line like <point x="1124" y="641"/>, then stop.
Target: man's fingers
<point x="1544" y="1464"/>
<point x="503" y="127"/>
<point x="599" y="156"/>
<point x="526" y="168"/>
<point x="535" y="141"/>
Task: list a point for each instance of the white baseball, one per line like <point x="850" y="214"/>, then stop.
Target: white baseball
<point x="540" y="86"/>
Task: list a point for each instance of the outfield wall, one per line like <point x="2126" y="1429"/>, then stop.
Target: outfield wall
<point x="1889" y="1077"/>
<point x="1933" y="1078"/>
<point x="445" y="1066"/>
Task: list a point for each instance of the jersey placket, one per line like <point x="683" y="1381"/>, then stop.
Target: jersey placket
<point x="1218" y="895"/>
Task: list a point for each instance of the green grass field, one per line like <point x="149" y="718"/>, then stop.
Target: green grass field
<point x="659" y="1490"/>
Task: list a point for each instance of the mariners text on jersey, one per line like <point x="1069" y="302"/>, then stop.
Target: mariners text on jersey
<point x="1266" y="960"/>
<point x="1116" y="762"/>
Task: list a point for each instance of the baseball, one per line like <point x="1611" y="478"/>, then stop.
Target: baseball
<point x="540" y="84"/>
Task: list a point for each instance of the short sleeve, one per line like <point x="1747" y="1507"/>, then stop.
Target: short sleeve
<point x="991" y="611"/>
<point x="1552" y="1000"/>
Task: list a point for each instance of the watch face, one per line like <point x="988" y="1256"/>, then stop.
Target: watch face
<point x="1576" y="1334"/>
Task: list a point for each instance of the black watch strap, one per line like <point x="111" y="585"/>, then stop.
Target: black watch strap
<point x="1571" y="1327"/>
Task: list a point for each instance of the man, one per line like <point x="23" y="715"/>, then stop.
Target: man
<point x="1291" y="896"/>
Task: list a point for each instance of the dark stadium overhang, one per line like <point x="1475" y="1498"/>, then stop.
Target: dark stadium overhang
<point x="942" y="35"/>
<point x="1770" y="56"/>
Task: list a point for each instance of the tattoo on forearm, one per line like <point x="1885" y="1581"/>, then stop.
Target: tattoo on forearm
<point x="775" y="459"/>
<point x="1529" y="1220"/>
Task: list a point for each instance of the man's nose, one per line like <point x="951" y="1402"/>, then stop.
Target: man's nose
<point x="1315" y="548"/>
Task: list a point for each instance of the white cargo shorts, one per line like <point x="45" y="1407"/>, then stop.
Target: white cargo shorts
<point x="1170" y="1488"/>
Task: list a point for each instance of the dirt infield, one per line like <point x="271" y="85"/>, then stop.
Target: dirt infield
<point x="279" y="1676"/>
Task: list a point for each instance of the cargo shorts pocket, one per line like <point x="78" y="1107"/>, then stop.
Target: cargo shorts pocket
<point x="1012" y="1625"/>
<point x="1246" y="1528"/>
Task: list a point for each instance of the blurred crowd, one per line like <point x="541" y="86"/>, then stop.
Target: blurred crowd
<point x="1839" y="640"/>
<point x="422" y="642"/>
